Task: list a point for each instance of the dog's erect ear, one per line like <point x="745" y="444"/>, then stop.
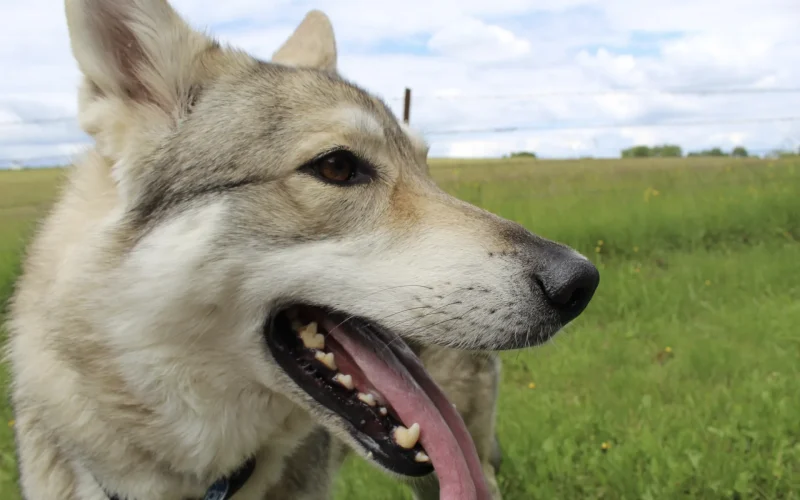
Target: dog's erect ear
<point x="140" y="51"/>
<point x="143" y="68"/>
<point x="312" y="45"/>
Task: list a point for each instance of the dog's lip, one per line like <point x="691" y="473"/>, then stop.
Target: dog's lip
<point x="400" y="376"/>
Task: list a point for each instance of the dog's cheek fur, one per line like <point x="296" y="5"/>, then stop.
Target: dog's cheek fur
<point x="182" y="264"/>
<point x="192" y="267"/>
<point x="212" y="350"/>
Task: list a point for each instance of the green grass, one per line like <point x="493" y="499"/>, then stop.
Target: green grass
<point x="686" y="364"/>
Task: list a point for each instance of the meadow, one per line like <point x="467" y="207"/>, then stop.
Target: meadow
<point x="680" y="380"/>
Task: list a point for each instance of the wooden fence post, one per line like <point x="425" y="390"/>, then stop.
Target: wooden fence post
<point x="407" y="106"/>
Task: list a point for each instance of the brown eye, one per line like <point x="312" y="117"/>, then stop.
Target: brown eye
<point x="337" y="168"/>
<point x="341" y="167"/>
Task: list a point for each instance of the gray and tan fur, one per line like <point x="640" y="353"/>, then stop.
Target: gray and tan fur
<point x="136" y="345"/>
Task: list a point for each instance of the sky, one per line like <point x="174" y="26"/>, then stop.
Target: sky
<point x="566" y="78"/>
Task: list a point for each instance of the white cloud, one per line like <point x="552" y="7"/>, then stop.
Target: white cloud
<point x="514" y="64"/>
<point x="640" y="135"/>
<point x="616" y="70"/>
<point x="476" y="41"/>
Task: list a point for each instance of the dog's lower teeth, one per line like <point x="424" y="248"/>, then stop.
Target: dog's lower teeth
<point x="367" y="399"/>
<point x="311" y="339"/>
<point x="326" y="358"/>
<point x="345" y="380"/>
<point x="407" y="438"/>
<point x="421" y="457"/>
<point x="383" y="411"/>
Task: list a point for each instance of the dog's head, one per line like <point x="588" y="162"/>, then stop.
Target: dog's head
<point x="275" y="212"/>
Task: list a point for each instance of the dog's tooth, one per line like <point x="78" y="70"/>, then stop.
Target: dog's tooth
<point x="407" y="438"/>
<point x="421" y="457"/>
<point x="345" y="380"/>
<point x="367" y="399"/>
<point x="383" y="411"/>
<point x="326" y="358"/>
<point x="311" y="339"/>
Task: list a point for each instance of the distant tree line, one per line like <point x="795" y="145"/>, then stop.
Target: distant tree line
<point x="521" y="154"/>
<point x="675" y="151"/>
<point x="738" y="151"/>
<point x="662" y="151"/>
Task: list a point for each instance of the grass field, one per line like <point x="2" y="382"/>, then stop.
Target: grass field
<point x="681" y="379"/>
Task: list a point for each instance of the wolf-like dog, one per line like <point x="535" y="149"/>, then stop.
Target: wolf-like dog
<point x="248" y="273"/>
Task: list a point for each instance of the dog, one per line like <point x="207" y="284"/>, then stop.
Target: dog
<point x="247" y="275"/>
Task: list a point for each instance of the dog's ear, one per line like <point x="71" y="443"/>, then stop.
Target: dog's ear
<point x="312" y="45"/>
<point x="143" y="68"/>
<point x="139" y="51"/>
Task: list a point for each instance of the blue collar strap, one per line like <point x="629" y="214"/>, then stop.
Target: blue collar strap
<point x="223" y="488"/>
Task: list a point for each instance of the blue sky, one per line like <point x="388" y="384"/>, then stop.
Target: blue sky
<point x="547" y="67"/>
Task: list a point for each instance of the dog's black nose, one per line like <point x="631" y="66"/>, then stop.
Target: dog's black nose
<point x="569" y="282"/>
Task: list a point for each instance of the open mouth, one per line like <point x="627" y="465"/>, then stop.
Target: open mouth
<point x="376" y="384"/>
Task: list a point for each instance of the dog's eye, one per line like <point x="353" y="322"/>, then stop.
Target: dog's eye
<point x="341" y="167"/>
<point x="337" y="167"/>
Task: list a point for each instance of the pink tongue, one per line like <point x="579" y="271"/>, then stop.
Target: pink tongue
<point x="442" y="428"/>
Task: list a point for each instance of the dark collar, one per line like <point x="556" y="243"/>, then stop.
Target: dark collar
<point x="223" y="488"/>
